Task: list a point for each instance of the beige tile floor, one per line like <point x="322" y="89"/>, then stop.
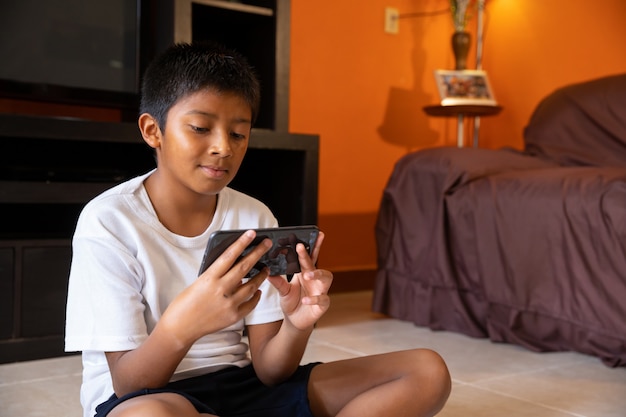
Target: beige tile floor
<point x="489" y="380"/>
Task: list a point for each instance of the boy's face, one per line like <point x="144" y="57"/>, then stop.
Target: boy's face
<point x="205" y="139"/>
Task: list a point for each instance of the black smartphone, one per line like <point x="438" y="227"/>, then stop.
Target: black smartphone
<point x="281" y="259"/>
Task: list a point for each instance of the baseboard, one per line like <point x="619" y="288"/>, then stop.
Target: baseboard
<point x="357" y="280"/>
<point x="19" y="350"/>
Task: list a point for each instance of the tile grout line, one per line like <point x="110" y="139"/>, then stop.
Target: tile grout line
<point x="528" y="372"/>
<point x="48" y="378"/>
<point x="549" y="407"/>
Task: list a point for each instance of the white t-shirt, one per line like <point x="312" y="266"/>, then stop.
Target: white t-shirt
<point x="127" y="268"/>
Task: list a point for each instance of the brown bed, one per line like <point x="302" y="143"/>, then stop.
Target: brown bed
<point x="525" y="247"/>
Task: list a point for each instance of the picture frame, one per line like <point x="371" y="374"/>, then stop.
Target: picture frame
<point x="464" y="87"/>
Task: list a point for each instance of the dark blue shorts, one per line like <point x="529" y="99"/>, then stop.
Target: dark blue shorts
<point x="235" y="392"/>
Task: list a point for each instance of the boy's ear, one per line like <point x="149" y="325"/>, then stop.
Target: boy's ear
<point x="150" y="130"/>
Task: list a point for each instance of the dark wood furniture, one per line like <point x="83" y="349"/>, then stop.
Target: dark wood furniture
<point x="460" y="111"/>
<point x="50" y="168"/>
<point x="471" y="110"/>
<point x="258" y="29"/>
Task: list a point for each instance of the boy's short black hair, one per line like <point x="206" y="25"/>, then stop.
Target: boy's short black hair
<point x="185" y="69"/>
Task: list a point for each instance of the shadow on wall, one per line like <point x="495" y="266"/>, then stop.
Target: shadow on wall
<point x="405" y="124"/>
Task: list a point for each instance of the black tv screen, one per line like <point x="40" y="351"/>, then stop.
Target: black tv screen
<point x="70" y="49"/>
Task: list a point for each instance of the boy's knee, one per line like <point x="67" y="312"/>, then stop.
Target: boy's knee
<point x="428" y="379"/>
<point x="431" y="367"/>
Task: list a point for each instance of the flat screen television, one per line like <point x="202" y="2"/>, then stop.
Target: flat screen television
<point x="93" y="52"/>
<point x="86" y="52"/>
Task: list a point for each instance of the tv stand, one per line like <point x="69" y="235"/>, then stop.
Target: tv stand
<point x="51" y="167"/>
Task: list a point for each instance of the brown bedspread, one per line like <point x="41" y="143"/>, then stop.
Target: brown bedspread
<point x="518" y="247"/>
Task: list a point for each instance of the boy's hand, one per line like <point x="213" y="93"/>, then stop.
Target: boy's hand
<point x="218" y="298"/>
<point x="305" y="299"/>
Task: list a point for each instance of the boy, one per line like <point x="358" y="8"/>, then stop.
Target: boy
<point x="156" y="339"/>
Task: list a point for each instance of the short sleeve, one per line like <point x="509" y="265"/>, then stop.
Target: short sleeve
<point x="105" y="309"/>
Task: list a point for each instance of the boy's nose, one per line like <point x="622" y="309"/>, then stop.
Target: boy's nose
<point x="220" y="144"/>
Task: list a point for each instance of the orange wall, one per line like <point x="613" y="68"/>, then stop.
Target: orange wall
<point x="362" y="90"/>
<point x="535" y="46"/>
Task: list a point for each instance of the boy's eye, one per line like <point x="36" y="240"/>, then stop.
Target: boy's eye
<point x="238" y="135"/>
<point x="199" y="129"/>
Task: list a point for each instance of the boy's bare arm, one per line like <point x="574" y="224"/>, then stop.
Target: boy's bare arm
<point x="149" y="366"/>
<point x="276" y="352"/>
<point x="277" y="348"/>
<point x="216" y="300"/>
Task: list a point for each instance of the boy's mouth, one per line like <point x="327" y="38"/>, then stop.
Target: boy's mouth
<point x="213" y="171"/>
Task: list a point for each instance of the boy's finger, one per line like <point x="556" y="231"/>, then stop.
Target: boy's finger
<point x="244" y="292"/>
<point x="246" y="307"/>
<point x="306" y="262"/>
<point x="316" y="249"/>
<point x="224" y="263"/>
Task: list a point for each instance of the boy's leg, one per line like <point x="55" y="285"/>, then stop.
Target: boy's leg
<point x="406" y="383"/>
<point x="156" y="405"/>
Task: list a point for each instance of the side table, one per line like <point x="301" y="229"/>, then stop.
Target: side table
<point x="460" y="111"/>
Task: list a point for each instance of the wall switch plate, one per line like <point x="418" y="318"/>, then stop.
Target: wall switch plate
<point x="392" y="20"/>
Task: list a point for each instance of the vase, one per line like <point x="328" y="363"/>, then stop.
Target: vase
<point x="460" y="48"/>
